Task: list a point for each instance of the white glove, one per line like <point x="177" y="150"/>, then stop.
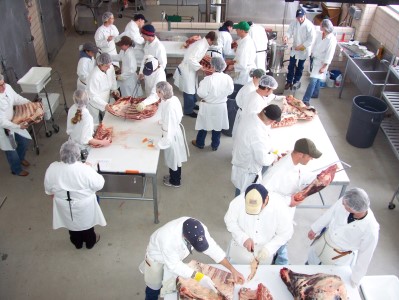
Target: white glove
<point x="354" y="284"/>
<point x="206" y="282"/>
<point x="141" y="106"/>
<point x="263" y="254"/>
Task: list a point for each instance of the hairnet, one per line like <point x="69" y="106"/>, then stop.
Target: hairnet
<point x="357" y="199"/>
<point x="268" y="82"/>
<point x="327" y="25"/>
<point x="218" y="63"/>
<point x="106" y="16"/>
<point x="258" y="73"/>
<point x="103" y="59"/>
<point x="80" y="98"/>
<point x="69" y="152"/>
<point x="165" y="89"/>
<point x="1" y="77"/>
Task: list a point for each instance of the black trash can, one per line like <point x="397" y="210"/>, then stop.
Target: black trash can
<point x="367" y="115"/>
<point x="232" y="108"/>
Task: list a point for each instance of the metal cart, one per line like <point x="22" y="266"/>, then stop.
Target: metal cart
<point x="88" y="15"/>
<point x="125" y="5"/>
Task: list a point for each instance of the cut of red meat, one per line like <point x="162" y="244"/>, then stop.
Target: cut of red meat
<point x="206" y="64"/>
<point x="31" y="112"/>
<point x="103" y="133"/>
<point x="191" y="40"/>
<point x="126" y="108"/>
<point x="286" y="121"/>
<point x="261" y="293"/>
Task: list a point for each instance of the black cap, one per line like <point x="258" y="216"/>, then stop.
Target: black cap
<point x="300" y="12"/>
<point x="89" y="46"/>
<point x="139" y="17"/>
<point x="194" y="233"/>
<point x="273" y="112"/>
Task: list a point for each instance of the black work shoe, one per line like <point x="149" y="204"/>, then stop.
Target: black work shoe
<point x="196" y="107"/>
<point x="288" y="86"/>
<point x="192" y="115"/>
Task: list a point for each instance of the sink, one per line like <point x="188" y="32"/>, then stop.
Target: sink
<point x="372" y="64"/>
<point x="378" y="77"/>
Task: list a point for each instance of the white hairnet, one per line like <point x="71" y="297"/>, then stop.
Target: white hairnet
<point x="81" y="98"/>
<point x="258" y="73"/>
<point x="103" y="59"/>
<point x="327" y="25"/>
<point x="357" y="199"/>
<point x="268" y="82"/>
<point x="165" y="89"/>
<point x="70" y="152"/>
<point x="218" y="63"/>
<point x="106" y="16"/>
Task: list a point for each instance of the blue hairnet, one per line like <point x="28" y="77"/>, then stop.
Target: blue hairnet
<point x="327" y="25"/>
<point x="104" y="59"/>
<point x="218" y="63"/>
<point x="165" y="89"/>
<point x="70" y="152"/>
<point x="357" y="200"/>
<point x="81" y="98"/>
<point x="268" y="82"/>
<point x="106" y="16"/>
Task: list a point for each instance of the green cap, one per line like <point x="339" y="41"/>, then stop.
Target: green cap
<point x="242" y="25"/>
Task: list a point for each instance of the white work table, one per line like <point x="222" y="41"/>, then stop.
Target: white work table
<point x="128" y="155"/>
<point x="269" y="276"/>
<point x="284" y="139"/>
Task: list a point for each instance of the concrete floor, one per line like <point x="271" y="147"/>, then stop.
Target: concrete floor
<point x="38" y="262"/>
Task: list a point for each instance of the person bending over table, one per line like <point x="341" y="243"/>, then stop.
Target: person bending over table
<point x="348" y="226"/>
<point x="171" y="244"/>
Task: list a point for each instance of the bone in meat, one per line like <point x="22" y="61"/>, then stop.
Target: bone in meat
<point x="317" y="286"/>
<point x="299" y="108"/>
<point x="286" y="121"/>
<point x="254" y="268"/>
<point x="191" y="40"/>
<point x="261" y="293"/>
<point x="31" y="112"/>
<point x="126" y="108"/>
<point x="206" y="64"/>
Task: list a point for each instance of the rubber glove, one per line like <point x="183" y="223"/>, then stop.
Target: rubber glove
<point x="263" y="254"/>
<point x="116" y="93"/>
<point x="141" y="106"/>
<point x="207" y="282"/>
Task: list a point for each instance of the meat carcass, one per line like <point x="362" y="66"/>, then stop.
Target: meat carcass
<point x="261" y="293"/>
<point x="103" y="133"/>
<point x="206" y="64"/>
<point x="31" y="112"/>
<point x="191" y="40"/>
<point x="189" y="289"/>
<point x="126" y="108"/>
<point x="318" y="286"/>
<point x="287" y="120"/>
<point x="322" y="180"/>
<point x="297" y="107"/>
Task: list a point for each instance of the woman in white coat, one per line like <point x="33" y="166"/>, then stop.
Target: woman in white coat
<point x="73" y="186"/>
<point x="186" y="78"/>
<point x="80" y="126"/>
<point x="322" y="54"/>
<point x="100" y="85"/>
<point x="105" y="35"/>
<point x="173" y="140"/>
<point x="86" y="64"/>
<point x="212" y="114"/>
<point x="14" y="138"/>
<point x="225" y="39"/>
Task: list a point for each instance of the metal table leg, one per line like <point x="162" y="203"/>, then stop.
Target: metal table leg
<point x="155" y="197"/>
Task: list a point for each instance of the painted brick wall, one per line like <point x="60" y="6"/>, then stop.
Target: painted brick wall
<point x="37" y="33"/>
<point x="385" y="28"/>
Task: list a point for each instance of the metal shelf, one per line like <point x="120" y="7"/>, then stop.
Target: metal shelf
<point x="390" y="126"/>
<point x="394" y="70"/>
<point x="392" y="99"/>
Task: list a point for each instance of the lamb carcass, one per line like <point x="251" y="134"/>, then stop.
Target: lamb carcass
<point x="261" y="293"/>
<point x="126" y="108"/>
<point x="31" y="112"/>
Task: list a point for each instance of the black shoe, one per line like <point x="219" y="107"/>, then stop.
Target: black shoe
<point x="192" y="115"/>
<point x="214" y="148"/>
<point x="196" y="107"/>
<point x="288" y="86"/>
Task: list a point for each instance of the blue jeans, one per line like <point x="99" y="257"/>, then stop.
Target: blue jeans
<point x="312" y="91"/>
<point x="15" y="157"/>
<point x="202" y="135"/>
<point x="189" y="103"/>
<point x="151" y="294"/>
<point x="295" y="72"/>
<point x="282" y="256"/>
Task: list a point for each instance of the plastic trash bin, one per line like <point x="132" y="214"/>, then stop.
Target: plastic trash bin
<point x="232" y="108"/>
<point x="367" y="115"/>
<point x="334" y="74"/>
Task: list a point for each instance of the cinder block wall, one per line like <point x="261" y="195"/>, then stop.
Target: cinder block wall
<point x="37" y="33"/>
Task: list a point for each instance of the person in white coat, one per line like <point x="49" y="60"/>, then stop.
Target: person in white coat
<point x="225" y="39"/>
<point x="153" y="73"/>
<point x="259" y="36"/>
<point x="244" y="60"/>
<point x="100" y="85"/>
<point x="80" y="125"/>
<point x="253" y="147"/>
<point x="349" y="226"/>
<point x="86" y="64"/>
<point x="185" y="76"/>
<point x="289" y="176"/>
<point x="127" y="80"/>
<point x="173" y="141"/>
<point x="212" y="114"/>
<point x="14" y="138"/>
<point x="132" y="30"/>
<point x="152" y="46"/>
<point x="171" y="244"/>
<point x="259" y="225"/>
<point x="73" y="186"/>
<point x="322" y="54"/>
<point x="303" y="33"/>
<point x="105" y="35"/>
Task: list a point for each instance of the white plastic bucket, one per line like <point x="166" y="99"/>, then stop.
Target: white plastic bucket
<point x="330" y="82"/>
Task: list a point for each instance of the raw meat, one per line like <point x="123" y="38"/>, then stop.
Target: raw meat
<point x="126" y="108"/>
<point x="103" y="133"/>
<point x="322" y="180"/>
<point x="261" y="293"/>
<point x="234" y="45"/>
<point x="191" y="40"/>
<point x="318" y="286"/>
<point x="254" y="268"/>
<point x="297" y="107"/>
<point x="287" y="120"/>
<point x="31" y="112"/>
<point x="189" y="289"/>
<point x="206" y="63"/>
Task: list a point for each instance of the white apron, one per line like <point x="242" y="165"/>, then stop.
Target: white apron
<point x="212" y="116"/>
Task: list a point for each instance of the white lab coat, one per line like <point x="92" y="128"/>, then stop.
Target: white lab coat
<point x="360" y="235"/>
<point x="99" y="86"/>
<point x="252" y="149"/>
<point x="7" y="101"/>
<point x="302" y="34"/>
<point x="156" y="49"/>
<point x="212" y="114"/>
<point x="150" y="85"/>
<point x="244" y="59"/>
<point x="185" y="77"/>
<point x="133" y="31"/>
<point x="254" y="104"/>
<point x="101" y="36"/>
<point x="81" y="132"/>
<point x="82" y="181"/>
<point x="168" y="247"/>
<point x="271" y="229"/>
<point x="85" y="67"/>
<point x="323" y="52"/>
<point x="128" y="76"/>
<point x="173" y="141"/>
<point x="224" y="40"/>
<point x="259" y="36"/>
